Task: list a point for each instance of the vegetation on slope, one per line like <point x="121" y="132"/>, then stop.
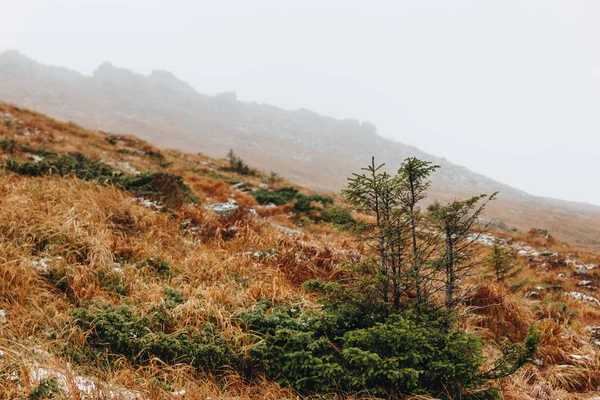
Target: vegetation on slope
<point x="104" y="294"/>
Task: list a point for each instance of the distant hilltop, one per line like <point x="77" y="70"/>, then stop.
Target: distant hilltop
<point x="309" y="149"/>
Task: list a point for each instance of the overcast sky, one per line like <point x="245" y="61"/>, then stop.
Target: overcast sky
<point x="508" y="88"/>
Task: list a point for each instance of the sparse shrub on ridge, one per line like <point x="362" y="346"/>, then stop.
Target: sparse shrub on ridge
<point x="338" y="216"/>
<point x="165" y="187"/>
<point x="278" y="197"/>
<point x="237" y="165"/>
<point x="303" y="204"/>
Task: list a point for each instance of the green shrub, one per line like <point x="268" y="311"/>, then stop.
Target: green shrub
<point x="45" y="389"/>
<point x="113" y="281"/>
<point x="404" y="356"/>
<point x="338" y="216"/>
<point x="120" y="330"/>
<point x="164" y="187"/>
<point x="173" y="298"/>
<point x="167" y="188"/>
<point x="116" y="329"/>
<point x="285" y="195"/>
<point x="159" y="158"/>
<point x="158" y="265"/>
<point x="303" y="203"/>
<point x="325" y="352"/>
<point x="75" y="164"/>
<point x="237" y="165"/>
<point x="279" y="197"/>
<point x="11" y="146"/>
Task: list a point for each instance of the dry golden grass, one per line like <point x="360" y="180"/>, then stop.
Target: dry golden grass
<point x="81" y="231"/>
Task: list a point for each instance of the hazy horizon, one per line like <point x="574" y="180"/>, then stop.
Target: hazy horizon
<point x="508" y="90"/>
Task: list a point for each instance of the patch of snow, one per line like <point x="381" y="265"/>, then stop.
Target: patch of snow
<point x="528" y="251"/>
<point x="3" y="319"/>
<point x="585" y="267"/>
<point x="128" y="167"/>
<point x="223" y="208"/>
<point x="149" y="203"/>
<point x="263" y="186"/>
<point x="584" y="283"/>
<point x="270" y="205"/>
<point x="585" y="297"/>
<point x="578" y="357"/>
<point x="532" y="294"/>
<point x="35" y="158"/>
<point x="83" y="385"/>
<point x="44" y="263"/>
<point x="483" y="238"/>
<point x="287" y="231"/>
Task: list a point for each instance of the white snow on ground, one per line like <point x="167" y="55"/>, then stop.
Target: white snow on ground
<point x="44" y="263"/>
<point x="123" y="166"/>
<point x="3" y="318"/>
<point x="149" y="203"/>
<point x="580" y="267"/>
<point x="528" y="251"/>
<point x="584" y="283"/>
<point x="287" y="231"/>
<point x="128" y="167"/>
<point x="35" y="158"/>
<point x="584" y="297"/>
<point x="270" y="205"/>
<point x="78" y="385"/>
<point x="483" y="238"/>
<point x="223" y="208"/>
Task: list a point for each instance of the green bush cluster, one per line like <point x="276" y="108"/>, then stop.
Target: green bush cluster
<point x="122" y="331"/>
<point x="237" y="165"/>
<point x="353" y="343"/>
<point x="167" y="188"/>
<point x="278" y="197"/>
<point x="338" y="216"/>
<point x="159" y="266"/>
<point x="113" y="281"/>
<point x="305" y="204"/>
<point x="158" y="157"/>
<point x="356" y="346"/>
<point x="74" y="163"/>
<point x="46" y="389"/>
<point x="11" y="146"/>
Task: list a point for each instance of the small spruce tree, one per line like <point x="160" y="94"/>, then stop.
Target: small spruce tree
<point x="455" y="222"/>
<point x="501" y="262"/>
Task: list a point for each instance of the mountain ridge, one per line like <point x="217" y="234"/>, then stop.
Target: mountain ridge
<point x="109" y="73"/>
<point x="309" y="149"/>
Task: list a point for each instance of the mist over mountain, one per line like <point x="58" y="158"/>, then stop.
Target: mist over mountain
<point x="312" y="150"/>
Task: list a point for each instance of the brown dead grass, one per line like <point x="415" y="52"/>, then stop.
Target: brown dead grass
<point x="85" y="229"/>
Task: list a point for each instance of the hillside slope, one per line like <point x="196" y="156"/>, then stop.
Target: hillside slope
<point x="81" y="255"/>
<point x="309" y="149"/>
